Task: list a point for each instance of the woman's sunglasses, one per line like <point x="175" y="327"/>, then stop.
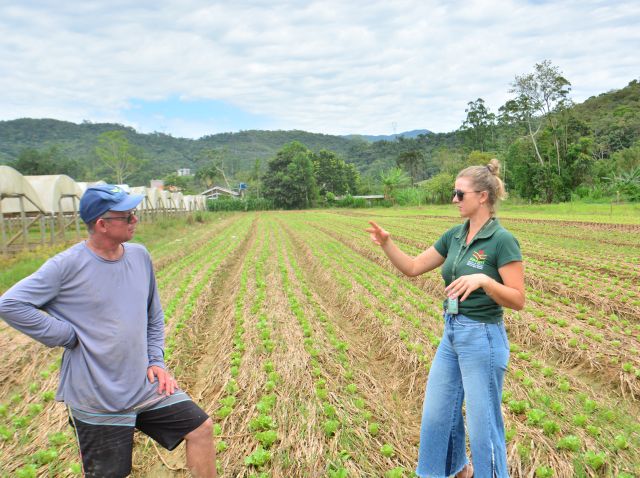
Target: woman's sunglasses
<point x="460" y="194"/>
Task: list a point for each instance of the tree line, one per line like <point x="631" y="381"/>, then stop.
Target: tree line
<point x="551" y="149"/>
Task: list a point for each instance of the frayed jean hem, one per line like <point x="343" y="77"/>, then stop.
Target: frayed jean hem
<point x="431" y="475"/>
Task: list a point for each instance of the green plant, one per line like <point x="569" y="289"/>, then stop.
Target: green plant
<point x="569" y="442"/>
<point x="48" y="395"/>
<point x="594" y="460"/>
<point x="42" y="457"/>
<point x="579" y="420"/>
<point x="593" y="430"/>
<point x="339" y="472"/>
<point x="535" y="416"/>
<point x="20" y="421"/>
<point x="267" y="438"/>
<point x="258" y="458"/>
<point x="518" y="406"/>
<point x="330" y="427"/>
<point x="58" y="438"/>
<point x="6" y="433"/>
<point x="397" y="472"/>
<point x="221" y="446"/>
<point x="266" y="403"/>
<point x="262" y="423"/>
<point x="224" y="412"/>
<point x="26" y="471"/>
<point x="550" y="427"/>
<point x="329" y="410"/>
<point x="387" y="450"/>
<point x="620" y="442"/>
<point x="544" y="472"/>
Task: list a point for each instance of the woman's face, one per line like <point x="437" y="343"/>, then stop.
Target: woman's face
<point x="470" y="201"/>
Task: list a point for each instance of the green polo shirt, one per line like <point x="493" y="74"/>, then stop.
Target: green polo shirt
<point x="492" y="248"/>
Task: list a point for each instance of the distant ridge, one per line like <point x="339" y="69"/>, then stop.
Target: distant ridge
<point x="389" y="137"/>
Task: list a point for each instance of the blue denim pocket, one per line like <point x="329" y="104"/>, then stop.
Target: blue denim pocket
<point x="503" y="334"/>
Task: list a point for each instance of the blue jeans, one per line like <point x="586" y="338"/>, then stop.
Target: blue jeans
<point x="469" y="366"/>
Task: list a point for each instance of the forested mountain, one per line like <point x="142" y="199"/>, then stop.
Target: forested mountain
<point x="389" y="137"/>
<point x="163" y="153"/>
<point x="549" y="153"/>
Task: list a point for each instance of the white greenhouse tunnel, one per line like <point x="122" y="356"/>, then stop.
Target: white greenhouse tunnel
<point x="34" y="208"/>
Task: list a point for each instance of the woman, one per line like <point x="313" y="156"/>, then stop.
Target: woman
<point x="483" y="272"/>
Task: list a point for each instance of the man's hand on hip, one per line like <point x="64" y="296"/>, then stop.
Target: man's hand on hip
<point x="166" y="383"/>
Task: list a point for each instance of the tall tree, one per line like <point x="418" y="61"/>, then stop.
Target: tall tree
<point x="479" y="125"/>
<point x="255" y="176"/>
<point x="117" y="154"/>
<point x="411" y="161"/>
<point x="212" y="167"/>
<point x="333" y="174"/>
<point x="289" y="181"/>
<point x="33" y="162"/>
<point x="540" y="97"/>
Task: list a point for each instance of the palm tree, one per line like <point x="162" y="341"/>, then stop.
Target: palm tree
<point x="392" y="180"/>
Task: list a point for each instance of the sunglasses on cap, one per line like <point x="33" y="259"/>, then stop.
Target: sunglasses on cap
<point x="460" y="194"/>
<point x="129" y="217"/>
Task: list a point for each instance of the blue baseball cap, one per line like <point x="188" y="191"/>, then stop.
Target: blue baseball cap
<point x="97" y="200"/>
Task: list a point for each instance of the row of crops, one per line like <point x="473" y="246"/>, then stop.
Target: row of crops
<point x="311" y="353"/>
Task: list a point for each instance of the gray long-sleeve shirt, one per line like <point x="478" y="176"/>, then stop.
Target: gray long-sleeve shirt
<point x="107" y="316"/>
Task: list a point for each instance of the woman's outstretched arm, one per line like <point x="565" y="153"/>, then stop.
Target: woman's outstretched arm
<point x="410" y="266"/>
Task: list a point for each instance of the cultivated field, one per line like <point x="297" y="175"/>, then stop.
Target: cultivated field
<point x="311" y="352"/>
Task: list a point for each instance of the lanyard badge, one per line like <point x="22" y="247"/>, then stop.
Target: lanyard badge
<point x="452" y="305"/>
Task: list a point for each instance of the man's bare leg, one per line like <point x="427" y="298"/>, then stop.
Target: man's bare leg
<point x="201" y="453"/>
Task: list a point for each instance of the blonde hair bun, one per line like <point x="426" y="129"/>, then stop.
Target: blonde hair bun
<point x="494" y="167"/>
<point x="487" y="178"/>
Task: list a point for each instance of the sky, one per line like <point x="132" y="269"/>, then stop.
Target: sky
<point x="190" y="68"/>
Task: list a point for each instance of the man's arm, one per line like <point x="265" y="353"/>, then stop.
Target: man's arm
<point x="155" y="342"/>
<point x="155" y="325"/>
<point x="20" y="308"/>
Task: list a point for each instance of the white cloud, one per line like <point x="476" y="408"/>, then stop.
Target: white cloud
<point x="333" y="67"/>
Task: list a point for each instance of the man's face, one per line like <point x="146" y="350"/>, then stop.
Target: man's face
<point x="120" y="225"/>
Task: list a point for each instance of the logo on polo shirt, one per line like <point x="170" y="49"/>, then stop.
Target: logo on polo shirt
<point x="477" y="259"/>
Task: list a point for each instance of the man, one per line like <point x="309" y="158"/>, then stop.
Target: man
<point x="98" y="300"/>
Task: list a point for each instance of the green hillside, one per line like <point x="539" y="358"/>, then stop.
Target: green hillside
<point x="163" y="152"/>
<point x="586" y="146"/>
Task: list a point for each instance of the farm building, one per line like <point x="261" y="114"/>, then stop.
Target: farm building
<point x="217" y="191"/>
